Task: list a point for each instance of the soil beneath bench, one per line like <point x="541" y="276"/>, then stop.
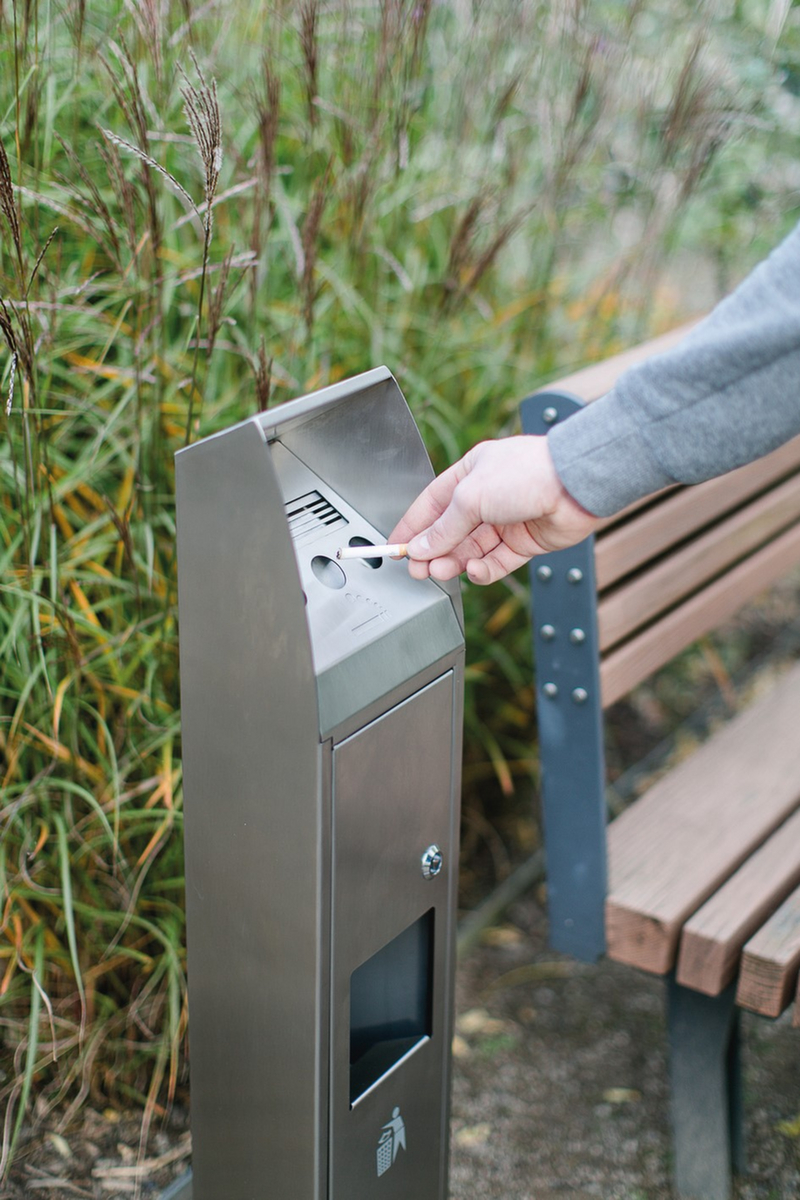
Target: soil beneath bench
<point x="561" y="1080"/>
<point x="560" y="1090"/>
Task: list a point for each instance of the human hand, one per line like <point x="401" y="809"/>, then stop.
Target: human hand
<point x="492" y="511"/>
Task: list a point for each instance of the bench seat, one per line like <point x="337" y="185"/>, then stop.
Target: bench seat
<point x="713" y="938"/>
<point x="677" y="845"/>
<point x="768" y="977"/>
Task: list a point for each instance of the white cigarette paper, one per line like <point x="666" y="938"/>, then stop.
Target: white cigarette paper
<point x="393" y="550"/>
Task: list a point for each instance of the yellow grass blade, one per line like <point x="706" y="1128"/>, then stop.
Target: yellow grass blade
<point x="95" y="368"/>
<point x="64" y="754"/>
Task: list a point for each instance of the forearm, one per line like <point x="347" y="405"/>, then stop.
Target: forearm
<point x="728" y="393"/>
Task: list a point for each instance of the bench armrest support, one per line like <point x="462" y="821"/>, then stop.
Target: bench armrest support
<point x="569" y="707"/>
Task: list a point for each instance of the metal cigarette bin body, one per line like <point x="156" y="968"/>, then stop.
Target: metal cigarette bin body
<point x="322" y="710"/>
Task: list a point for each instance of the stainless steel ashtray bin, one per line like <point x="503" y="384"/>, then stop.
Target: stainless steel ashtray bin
<point x="322" y="708"/>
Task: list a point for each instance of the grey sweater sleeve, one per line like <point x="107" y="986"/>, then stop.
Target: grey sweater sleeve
<point x="726" y="394"/>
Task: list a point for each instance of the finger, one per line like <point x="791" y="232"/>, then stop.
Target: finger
<point x="419" y="569"/>
<point x="495" y="565"/>
<point x="446" y="567"/>
<point x="429" y="505"/>
<point x="481" y="541"/>
<point x="457" y="523"/>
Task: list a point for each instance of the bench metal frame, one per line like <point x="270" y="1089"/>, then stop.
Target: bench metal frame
<point x="570" y="714"/>
<point x="705" y="1090"/>
<point x="703" y="1032"/>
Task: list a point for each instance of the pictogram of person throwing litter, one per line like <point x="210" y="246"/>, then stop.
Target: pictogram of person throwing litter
<point x="392" y="1139"/>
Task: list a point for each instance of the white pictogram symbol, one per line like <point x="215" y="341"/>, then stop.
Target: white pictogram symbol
<point x="392" y="1139"/>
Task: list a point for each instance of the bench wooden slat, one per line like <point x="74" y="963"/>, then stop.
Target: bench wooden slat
<point x="634" y="660"/>
<point x="712" y="939"/>
<point x="606" y="523"/>
<point x="771" y="962"/>
<point x="676" y="845"/>
<point x="589" y="383"/>
<point x="684" y="511"/>
<point x="637" y="603"/>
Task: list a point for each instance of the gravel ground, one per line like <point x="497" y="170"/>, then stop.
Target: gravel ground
<point x="559" y="1091"/>
<point x="560" y="1084"/>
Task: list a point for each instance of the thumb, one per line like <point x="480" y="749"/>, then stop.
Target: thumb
<point x="456" y="523"/>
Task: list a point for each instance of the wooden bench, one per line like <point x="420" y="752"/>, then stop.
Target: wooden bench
<point x="699" y="879"/>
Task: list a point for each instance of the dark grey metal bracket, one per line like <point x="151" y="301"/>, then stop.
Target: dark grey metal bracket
<point x="706" y="1092"/>
<point x="564" y="622"/>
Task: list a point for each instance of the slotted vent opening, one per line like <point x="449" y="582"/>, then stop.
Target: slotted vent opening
<point x="310" y="515"/>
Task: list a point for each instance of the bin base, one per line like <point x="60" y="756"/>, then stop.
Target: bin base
<point x="181" y="1189"/>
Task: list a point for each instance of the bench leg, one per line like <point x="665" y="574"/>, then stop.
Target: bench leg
<point x="705" y="1077"/>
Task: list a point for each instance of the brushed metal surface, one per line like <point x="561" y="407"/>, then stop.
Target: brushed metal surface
<point x="396" y="657"/>
<point x="275" y="667"/>
<point x="360" y="437"/>
<point x="375" y="441"/>
<point x="253" y="795"/>
<point x="393" y="794"/>
<point x="450" y="963"/>
<point x="370" y="628"/>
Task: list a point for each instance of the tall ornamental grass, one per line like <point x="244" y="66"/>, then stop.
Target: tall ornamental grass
<point x="211" y="206"/>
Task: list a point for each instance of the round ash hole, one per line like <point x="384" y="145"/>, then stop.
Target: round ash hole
<point x="328" y="572"/>
<point x="371" y="562"/>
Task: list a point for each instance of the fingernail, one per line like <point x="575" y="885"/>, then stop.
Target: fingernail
<point x="418" y="547"/>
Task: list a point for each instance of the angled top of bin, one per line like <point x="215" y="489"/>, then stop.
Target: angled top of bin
<point x="341" y="467"/>
<point x="380" y="463"/>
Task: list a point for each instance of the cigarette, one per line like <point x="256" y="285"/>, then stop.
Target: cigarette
<point x="393" y="550"/>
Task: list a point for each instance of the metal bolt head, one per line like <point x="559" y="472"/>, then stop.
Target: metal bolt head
<point x="574" y="575"/>
<point x="432" y="862"/>
<point x="543" y="573"/>
<point x="577" y="637"/>
<point x="580" y="695"/>
<point x="550" y="690"/>
<point x="547" y="633"/>
<point x="550" y="415"/>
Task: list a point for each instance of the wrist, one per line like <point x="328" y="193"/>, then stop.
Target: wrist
<point x="556" y="496"/>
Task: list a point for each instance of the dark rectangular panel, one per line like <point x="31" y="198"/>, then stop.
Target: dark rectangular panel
<point x="391" y="1004"/>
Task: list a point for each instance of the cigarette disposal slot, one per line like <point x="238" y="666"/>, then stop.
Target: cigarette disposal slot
<point x="362" y="541"/>
<point x="328" y="572"/>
